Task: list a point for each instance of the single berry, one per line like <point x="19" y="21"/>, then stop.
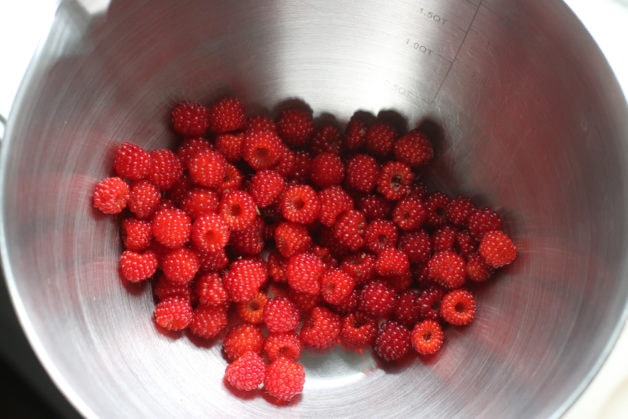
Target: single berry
<point x="209" y="233"/>
<point x="247" y="372"/>
<point x="244" y="278"/>
<point x="377" y="299"/>
<point x="226" y="115"/>
<point x="295" y="126"/>
<point x="334" y="201"/>
<point x="436" y="205"/>
<point x="374" y="207"/>
<point x="497" y="249"/>
<point x="444" y="239"/>
<point x="380" y="234"/>
<point x="259" y="123"/>
<point x="237" y="209"/>
<point x="413" y="149"/>
<point x="304" y="272"/>
<point x="240" y="339"/>
<point x="327" y="170"/>
<point x="355" y="131"/>
<point x="165" y="168"/>
<point x="136" y="234"/>
<point x="282" y="344"/>
<point x="320" y="329"/>
<point x="391" y="261"/>
<point x="250" y="241"/>
<point x="483" y="220"/>
<point x="207" y="168"/>
<point x="210" y="291"/>
<point x="361" y="266"/>
<point x="336" y="286"/>
<point x="233" y="179"/>
<point x="200" y="201"/>
<point x="358" y="330"/>
<point x="180" y="265"/>
<point x="458" y="307"/>
<point x="189" y="147"/>
<point x="162" y="289"/>
<point x="252" y="310"/>
<point x="284" y="379"/>
<point x="416" y="245"/>
<point x="394" y="180"/>
<point x="409" y="213"/>
<point x="408" y="308"/>
<point x="266" y="187"/>
<point x="190" y="119"/>
<point x="130" y="161"/>
<point x="379" y="139"/>
<point x="427" y="337"/>
<point x="111" y="195"/>
<point x="144" y="198"/>
<point x="208" y="321"/>
<point x="477" y="268"/>
<point x="281" y="315"/>
<point x="261" y="149"/>
<point x="230" y="146"/>
<point x="291" y="238"/>
<point x="302" y="167"/>
<point x="326" y="139"/>
<point x="287" y="165"/>
<point x="429" y="302"/>
<point x="171" y="227"/>
<point x="137" y="266"/>
<point x="362" y="172"/>
<point x="300" y="204"/>
<point x="447" y="269"/>
<point x="393" y="341"/>
<point x="458" y="210"/>
<point x="173" y="313"/>
<point x="350" y="229"/>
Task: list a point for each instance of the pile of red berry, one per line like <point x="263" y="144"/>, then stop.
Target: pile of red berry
<point x="277" y="235"/>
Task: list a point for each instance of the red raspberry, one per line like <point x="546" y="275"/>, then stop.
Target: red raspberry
<point x="226" y="115"/>
<point x="252" y="311"/>
<point x="261" y="149"/>
<point x="465" y="243"/>
<point x="416" y="245"/>
<point x="207" y="168"/>
<point x="302" y="167"/>
<point x="380" y="234"/>
<point x="189" y="147"/>
<point x="458" y="210"/>
<point x="244" y="278"/>
<point x="250" y="241"/>
<point x="282" y="344"/>
<point x="165" y="168"/>
<point x="209" y="233"/>
<point x="190" y="119"/>
<point x="377" y="299"/>
<point x="477" y="268"/>
<point x="266" y="187"/>
<point x="233" y="179"/>
<point x="171" y="227"/>
<point x="497" y="249"/>
<point x="130" y="161"/>
<point x="304" y="272"/>
<point x="447" y="268"/>
<point x="180" y="265"/>
<point x="291" y="239"/>
<point x="284" y="379"/>
<point x="111" y="195"/>
<point x="286" y="166"/>
<point x="408" y="308"/>
<point x="355" y="131"/>
<point x="144" y="198"/>
<point x="458" y="307"/>
<point x="305" y="302"/>
<point x="429" y="302"/>
<point x="259" y="123"/>
<point x="334" y="201"/>
<point x="200" y="201"/>
<point x="392" y="342"/>
<point x="362" y="172"/>
<point x="327" y="139"/>
<point x="320" y="329"/>
<point x="444" y="239"/>
<point x="246" y="373"/>
<point x="391" y="261"/>
<point x="358" y="330"/>
<point x="241" y="339"/>
<point x="427" y="337"/>
<point x="208" y="321"/>
<point x="413" y="149"/>
<point x="137" y="266"/>
<point x="327" y="170"/>
<point x="394" y="180"/>
<point x="300" y="204"/>
<point x="277" y="267"/>
<point x="379" y="139"/>
<point x="361" y="266"/>
<point x="409" y="213"/>
<point x="230" y="146"/>
<point x="436" y="205"/>
<point x="162" y="288"/>
<point x="238" y="210"/>
<point x="374" y="207"/>
<point x="295" y="126"/>
<point x="336" y="286"/>
<point x="350" y="229"/>
<point x="281" y="315"/>
<point x="136" y="234"/>
<point x="483" y="220"/>
<point x="213" y="261"/>
<point x="210" y="290"/>
<point x="173" y="313"/>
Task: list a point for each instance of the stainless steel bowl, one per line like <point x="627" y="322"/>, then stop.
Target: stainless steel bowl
<point x="532" y="121"/>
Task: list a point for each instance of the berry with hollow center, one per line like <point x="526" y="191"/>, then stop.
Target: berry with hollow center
<point x="237" y="209"/>
<point x="458" y="307"/>
<point x="300" y="204"/>
<point x="282" y="344"/>
<point x="380" y="234"/>
<point x="427" y="337"/>
<point x="261" y="149"/>
<point x="252" y="310"/>
<point x="336" y="286"/>
<point x="209" y="233"/>
<point x="436" y="205"/>
<point x="394" y="180"/>
<point x="409" y="213"/>
<point x="358" y="330"/>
